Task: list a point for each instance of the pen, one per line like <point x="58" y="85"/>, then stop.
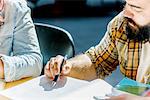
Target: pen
<point x="56" y="76"/>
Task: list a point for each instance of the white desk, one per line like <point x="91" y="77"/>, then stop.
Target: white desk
<point x="12" y="84"/>
<point x="65" y="89"/>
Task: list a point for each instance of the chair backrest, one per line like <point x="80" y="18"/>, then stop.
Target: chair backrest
<point x="54" y="41"/>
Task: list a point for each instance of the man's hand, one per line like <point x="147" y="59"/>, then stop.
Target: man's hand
<point x="79" y="67"/>
<point x="52" y="67"/>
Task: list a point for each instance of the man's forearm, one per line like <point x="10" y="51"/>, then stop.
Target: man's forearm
<point x="82" y="68"/>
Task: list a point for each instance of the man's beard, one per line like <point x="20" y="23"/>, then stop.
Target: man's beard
<point x="136" y="32"/>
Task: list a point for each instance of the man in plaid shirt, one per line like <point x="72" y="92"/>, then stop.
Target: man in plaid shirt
<point x="126" y="43"/>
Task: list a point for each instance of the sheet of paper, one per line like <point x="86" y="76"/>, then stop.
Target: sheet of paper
<point x="96" y="88"/>
<point x="66" y="89"/>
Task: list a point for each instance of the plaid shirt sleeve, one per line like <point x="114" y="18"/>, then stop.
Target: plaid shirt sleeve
<point x="104" y="55"/>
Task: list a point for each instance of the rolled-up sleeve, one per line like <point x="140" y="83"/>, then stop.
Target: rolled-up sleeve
<point x="105" y="55"/>
<point x="26" y="59"/>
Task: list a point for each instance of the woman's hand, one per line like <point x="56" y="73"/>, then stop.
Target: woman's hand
<point x="1" y="69"/>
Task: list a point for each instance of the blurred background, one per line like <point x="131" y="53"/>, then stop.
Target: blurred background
<point x="86" y="20"/>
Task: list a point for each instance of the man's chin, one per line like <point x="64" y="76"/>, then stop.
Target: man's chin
<point x="140" y="34"/>
<point x="137" y="32"/>
<point x="133" y="26"/>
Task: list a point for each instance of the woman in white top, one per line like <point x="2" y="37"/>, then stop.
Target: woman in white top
<point x="20" y="54"/>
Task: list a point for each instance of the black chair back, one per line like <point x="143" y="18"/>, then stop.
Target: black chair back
<point x="54" y="41"/>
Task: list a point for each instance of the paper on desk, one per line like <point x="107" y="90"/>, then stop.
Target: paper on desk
<point x="96" y="88"/>
<point x="66" y="89"/>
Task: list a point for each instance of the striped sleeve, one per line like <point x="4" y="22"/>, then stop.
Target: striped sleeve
<point x="104" y="55"/>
